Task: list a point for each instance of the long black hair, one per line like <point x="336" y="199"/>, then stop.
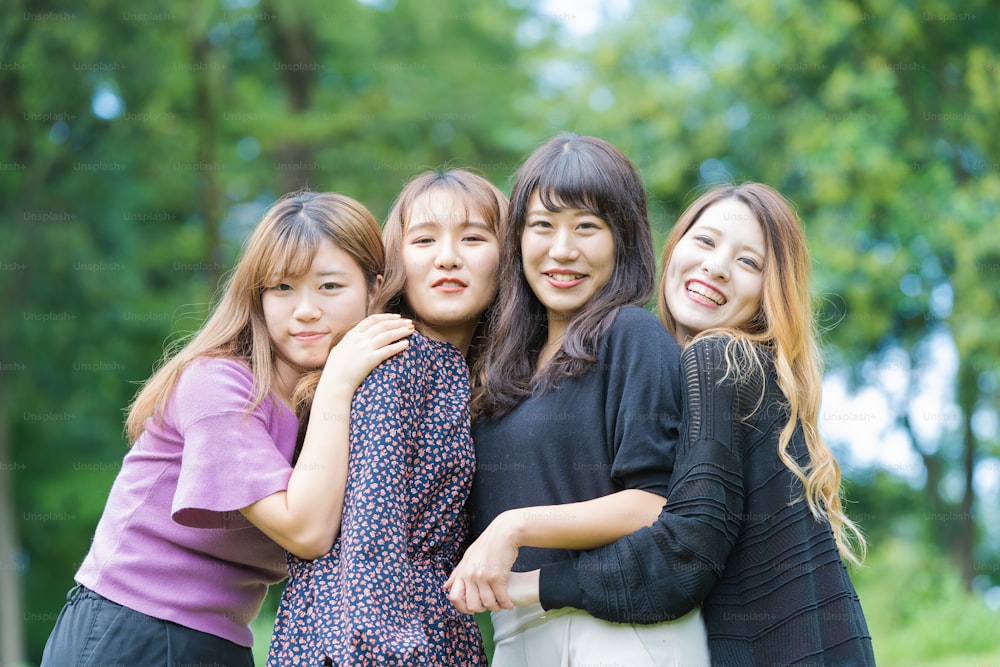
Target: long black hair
<point x="568" y="171"/>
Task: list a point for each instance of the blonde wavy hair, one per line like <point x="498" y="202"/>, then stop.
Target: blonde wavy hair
<point x="284" y="243"/>
<point x="785" y="326"/>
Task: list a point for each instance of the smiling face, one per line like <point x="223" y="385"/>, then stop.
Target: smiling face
<point x="450" y="256"/>
<point x="303" y="313"/>
<point x="714" y="277"/>
<point x="568" y="257"/>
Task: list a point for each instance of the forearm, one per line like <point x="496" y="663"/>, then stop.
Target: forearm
<point x="660" y="572"/>
<point x="480" y="580"/>
<point x="582" y="525"/>
<point x="305" y="518"/>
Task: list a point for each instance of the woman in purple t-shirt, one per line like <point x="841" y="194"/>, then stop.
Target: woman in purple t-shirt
<point x="207" y="500"/>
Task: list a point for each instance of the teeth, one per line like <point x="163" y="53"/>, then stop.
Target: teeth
<point x="706" y="292"/>
<point x="562" y="277"/>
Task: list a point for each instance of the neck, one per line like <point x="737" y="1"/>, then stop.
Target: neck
<point x="284" y="384"/>
<point x="556" y="335"/>
<point x="460" y="336"/>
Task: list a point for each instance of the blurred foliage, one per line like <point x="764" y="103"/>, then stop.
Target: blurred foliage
<point x="139" y="144"/>
<point x="919" y="612"/>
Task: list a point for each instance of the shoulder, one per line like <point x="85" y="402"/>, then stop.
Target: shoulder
<point x="422" y="356"/>
<point x="722" y="360"/>
<point x="211" y="386"/>
<point x="639" y="343"/>
<point x="634" y="318"/>
<point x="638" y="329"/>
<point x="217" y="373"/>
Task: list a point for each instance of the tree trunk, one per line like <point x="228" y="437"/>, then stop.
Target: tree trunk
<point x="11" y="609"/>
<point x="965" y="523"/>
<point x="208" y="180"/>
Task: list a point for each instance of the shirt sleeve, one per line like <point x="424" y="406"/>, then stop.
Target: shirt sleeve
<point x="643" y="408"/>
<point x="662" y="572"/>
<point x="229" y="458"/>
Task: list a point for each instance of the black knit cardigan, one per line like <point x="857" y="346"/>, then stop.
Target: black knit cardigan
<point x="735" y="537"/>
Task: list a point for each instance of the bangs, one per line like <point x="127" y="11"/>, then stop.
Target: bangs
<point x="471" y="192"/>
<point x="570" y="182"/>
<point x="291" y="253"/>
<point x="480" y="201"/>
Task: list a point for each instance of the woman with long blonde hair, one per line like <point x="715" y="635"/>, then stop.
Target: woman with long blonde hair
<point x="754" y="530"/>
<point x="207" y="500"/>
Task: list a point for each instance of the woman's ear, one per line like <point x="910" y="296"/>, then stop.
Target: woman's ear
<point x="373" y="290"/>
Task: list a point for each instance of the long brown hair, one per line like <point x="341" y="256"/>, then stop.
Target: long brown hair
<point x="284" y="243"/>
<point x="785" y="327"/>
<point x="568" y="171"/>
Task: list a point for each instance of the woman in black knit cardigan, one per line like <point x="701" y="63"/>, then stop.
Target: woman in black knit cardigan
<point x="753" y="531"/>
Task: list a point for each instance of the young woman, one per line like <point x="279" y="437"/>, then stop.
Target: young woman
<point x="376" y="598"/>
<point x="754" y="531"/>
<point x="578" y="412"/>
<point x="207" y="500"/>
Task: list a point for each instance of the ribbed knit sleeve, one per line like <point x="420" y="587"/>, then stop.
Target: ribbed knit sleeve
<point x="662" y="572"/>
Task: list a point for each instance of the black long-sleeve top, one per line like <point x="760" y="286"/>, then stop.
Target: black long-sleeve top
<point x="736" y="536"/>
<point x="614" y="427"/>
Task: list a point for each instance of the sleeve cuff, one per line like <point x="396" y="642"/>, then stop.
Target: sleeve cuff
<point x="558" y="587"/>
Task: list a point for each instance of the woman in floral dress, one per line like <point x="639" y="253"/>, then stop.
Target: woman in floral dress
<point x="377" y="597"/>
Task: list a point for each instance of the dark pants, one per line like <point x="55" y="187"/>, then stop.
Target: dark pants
<point x="92" y="631"/>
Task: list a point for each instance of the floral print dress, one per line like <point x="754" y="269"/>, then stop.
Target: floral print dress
<point x="377" y="597"/>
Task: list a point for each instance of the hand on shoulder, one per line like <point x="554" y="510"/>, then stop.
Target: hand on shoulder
<point x="366" y="345"/>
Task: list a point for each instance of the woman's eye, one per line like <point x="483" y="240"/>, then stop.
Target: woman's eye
<point x="705" y="240"/>
<point x="282" y="287"/>
<point x="331" y="286"/>
<point x="752" y="263"/>
<point x="539" y="224"/>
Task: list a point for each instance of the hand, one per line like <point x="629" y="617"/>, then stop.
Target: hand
<point x="479" y="582"/>
<point x="523" y="588"/>
<point x="367" y="344"/>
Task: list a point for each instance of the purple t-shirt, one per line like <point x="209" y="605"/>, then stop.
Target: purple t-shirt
<point x="171" y="542"/>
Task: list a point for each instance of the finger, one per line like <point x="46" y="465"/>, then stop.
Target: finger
<point x="374" y="320"/>
<point x="472" y="599"/>
<point x="487" y="597"/>
<point x="502" y="597"/>
<point x="456" y="589"/>
<point x="386" y="351"/>
<point x="390" y="332"/>
<point x="381" y="333"/>
<point x="459" y="604"/>
<point x="457" y="596"/>
<point x="376" y="335"/>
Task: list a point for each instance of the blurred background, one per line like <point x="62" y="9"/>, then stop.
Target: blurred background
<point x="139" y="143"/>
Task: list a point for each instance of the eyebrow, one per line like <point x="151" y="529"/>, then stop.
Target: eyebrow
<point x="762" y="253"/>
<point x="435" y="223"/>
<point x="332" y="272"/>
<point x="578" y="212"/>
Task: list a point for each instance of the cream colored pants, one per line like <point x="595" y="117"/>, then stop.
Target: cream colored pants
<point x="532" y="637"/>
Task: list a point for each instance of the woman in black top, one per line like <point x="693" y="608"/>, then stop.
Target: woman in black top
<point x="577" y="417"/>
<point x="754" y="530"/>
